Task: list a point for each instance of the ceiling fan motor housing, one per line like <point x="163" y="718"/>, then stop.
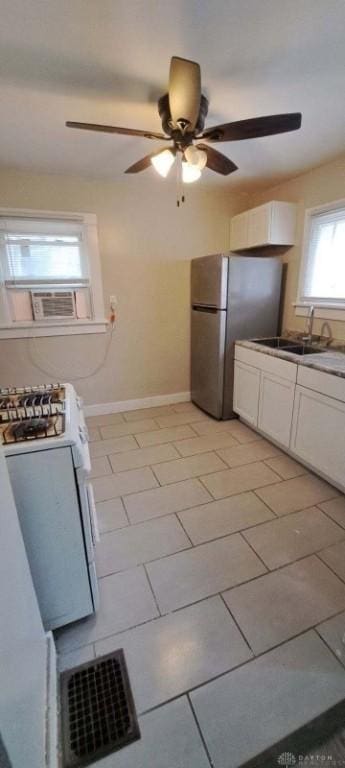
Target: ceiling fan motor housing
<point x="164" y="113"/>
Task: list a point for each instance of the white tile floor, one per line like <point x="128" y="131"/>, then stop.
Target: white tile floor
<point x="221" y="568"/>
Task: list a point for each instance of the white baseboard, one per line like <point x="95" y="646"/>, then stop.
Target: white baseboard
<point x="133" y="405"/>
<point x="52" y="705"/>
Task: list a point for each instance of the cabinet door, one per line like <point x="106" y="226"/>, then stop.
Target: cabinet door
<point x="239" y="231"/>
<point x="318" y="433"/>
<point x="246" y="392"/>
<point x="276" y="407"/>
<point x="259" y="225"/>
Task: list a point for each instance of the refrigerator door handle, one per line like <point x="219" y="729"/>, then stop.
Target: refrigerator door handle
<point x="210" y="310"/>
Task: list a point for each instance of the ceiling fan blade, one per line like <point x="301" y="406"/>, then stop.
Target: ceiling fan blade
<point x="184" y="92"/>
<point x="145" y="162"/>
<point x="216" y="161"/>
<point x="115" y="129"/>
<point x="254" y="127"/>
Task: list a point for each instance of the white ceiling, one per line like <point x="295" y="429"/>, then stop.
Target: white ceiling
<point x="107" y="61"/>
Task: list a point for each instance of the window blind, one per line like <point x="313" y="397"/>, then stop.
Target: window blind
<point x="42" y="251"/>
<point x="324" y="276"/>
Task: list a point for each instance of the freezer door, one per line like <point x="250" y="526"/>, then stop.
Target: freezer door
<point x="253" y="297"/>
<point x="209" y="281"/>
<point x="254" y="292"/>
<point x="207" y="359"/>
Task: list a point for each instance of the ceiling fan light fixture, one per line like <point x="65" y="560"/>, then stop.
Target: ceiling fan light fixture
<point x="190" y="173"/>
<point x="163" y="162"/>
<point x="195" y="156"/>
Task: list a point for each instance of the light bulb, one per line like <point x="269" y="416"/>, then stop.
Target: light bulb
<point x="190" y="173"/>
<point x="163" y="162"/>
<point x="195" y="156"/>
<point x="192" y="155"/>
<point x="202" y="159"/>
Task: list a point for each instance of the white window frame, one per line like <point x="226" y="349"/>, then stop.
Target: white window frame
<point x="325" y="309"/>
<point x="11" y="329"/>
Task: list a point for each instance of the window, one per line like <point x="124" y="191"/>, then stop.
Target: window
<point x="50" y="273"/>
<point x="322" y="279"/>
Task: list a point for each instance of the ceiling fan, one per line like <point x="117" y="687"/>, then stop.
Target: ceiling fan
<point x="183" y="111"/>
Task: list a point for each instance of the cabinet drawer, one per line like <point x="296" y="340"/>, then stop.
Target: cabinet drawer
<point x="268" y="363"/>
<point x="318" y="432"/>
<point x="325" y="383"/>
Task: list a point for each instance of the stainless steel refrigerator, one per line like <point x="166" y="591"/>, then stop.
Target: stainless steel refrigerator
<point x="232" y="297"/>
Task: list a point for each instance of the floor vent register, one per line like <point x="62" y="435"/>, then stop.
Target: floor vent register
<point x="98" y="712"/>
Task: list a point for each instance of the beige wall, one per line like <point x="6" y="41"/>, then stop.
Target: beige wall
<point x="321" y="185"/>
<point x="146" y="244"/>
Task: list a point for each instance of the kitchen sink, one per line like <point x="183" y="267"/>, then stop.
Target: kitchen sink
<point x="304" y="349"/>
<point x="288" y="345"/>
<point x="277" y="342"/>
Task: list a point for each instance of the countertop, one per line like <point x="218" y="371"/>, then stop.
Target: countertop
<point x="331" y="361"/>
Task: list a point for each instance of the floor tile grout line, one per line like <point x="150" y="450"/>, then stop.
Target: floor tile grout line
<point x="242" y="532"/>
<point x="155" y="476"/>
<point x="329" y="648"/>
<point x="236" y="623"/>
<point x="329" y="516"/>
<point x="216" y="451"/>
<point x="318" y="555"/>
<point x="186" y="548"/>
<point x="267" y="505"/>
<point x="141" y="466"/>
<point x="255" y="552"/>
<point x="162" y="616"/>
<point x="194" y="547"/>
<point x="183" y="528"/>
<point x="198" y="726"/>
<point x="251" y="660"/>
<point x="298" y="559"/>
<point x="293" y="511"/>
<point x="152" y="591"/>
<point x="126" y="513"/>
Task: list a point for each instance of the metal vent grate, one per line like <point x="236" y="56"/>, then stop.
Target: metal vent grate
<point x="98" y="713"/>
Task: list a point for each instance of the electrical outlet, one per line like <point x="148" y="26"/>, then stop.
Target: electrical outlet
<point x="113" y="301"/>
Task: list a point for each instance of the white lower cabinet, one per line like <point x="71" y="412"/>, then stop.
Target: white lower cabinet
<point x="276" y="407"/>
<point x="318" y="432"/>
<point x="246" y="392"/>
<point x="299" y="408"/>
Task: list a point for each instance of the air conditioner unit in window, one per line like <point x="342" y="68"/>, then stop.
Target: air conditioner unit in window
<point x="53" y="305"/>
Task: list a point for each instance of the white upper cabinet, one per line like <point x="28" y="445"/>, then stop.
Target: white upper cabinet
<point x="239" y="231"/>
<point x="273" y="223"/>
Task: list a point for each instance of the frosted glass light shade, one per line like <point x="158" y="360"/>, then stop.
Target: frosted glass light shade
<point x="195" y="156"/>
<point x="190" y="173"/>
<point x="163" y="162"/>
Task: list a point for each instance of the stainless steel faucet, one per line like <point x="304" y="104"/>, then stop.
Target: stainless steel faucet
<point x="309" y="325"/>
<point x="326" y="327"/>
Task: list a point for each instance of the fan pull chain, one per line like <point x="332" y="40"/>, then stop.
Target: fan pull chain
<point x="180" y="189"/>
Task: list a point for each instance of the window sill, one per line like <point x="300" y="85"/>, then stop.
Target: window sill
<point x="324" y="311"/>
<point x="31" y="329"/>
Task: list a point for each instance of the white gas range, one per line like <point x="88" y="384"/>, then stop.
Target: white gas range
<point x="45" y="440"/>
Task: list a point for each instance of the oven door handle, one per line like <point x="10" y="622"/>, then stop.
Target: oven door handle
<point x="93" y="514"/>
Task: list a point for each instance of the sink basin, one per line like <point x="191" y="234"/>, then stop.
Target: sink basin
<point x="288" y="345"/>
<point x="277" y="342"/>
<point x="303" y="349"/>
